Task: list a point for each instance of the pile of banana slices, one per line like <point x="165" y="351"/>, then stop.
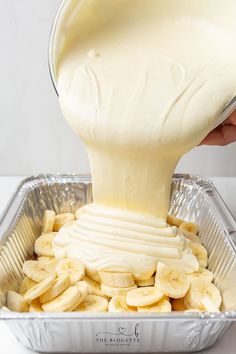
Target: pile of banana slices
<point x="52" y="285"/>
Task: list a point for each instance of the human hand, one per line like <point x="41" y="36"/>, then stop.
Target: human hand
<point x="224" y="134"/>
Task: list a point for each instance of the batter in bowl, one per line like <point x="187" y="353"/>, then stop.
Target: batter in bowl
<point x="141" y="82"/>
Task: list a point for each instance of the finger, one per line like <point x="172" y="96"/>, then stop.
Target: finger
<point x="221" y="136"/>
<point x="231" y="119"/>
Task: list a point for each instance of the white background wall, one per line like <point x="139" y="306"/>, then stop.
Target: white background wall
<point x="33" y="134"/>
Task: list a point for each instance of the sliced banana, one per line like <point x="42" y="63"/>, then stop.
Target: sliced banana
<point x="110" y="291"/>
<point x="93" y="274"/>
<point x="16" y="302"/>
<point x="147" y="282"/>
<point x="117" y="280"/>
<point x="83" y="287"/>
<point x="93" y="303"/>
<point x="203" y="274"/>
<point x="187" y="304"/>
<point x="62" y="219"/>
<point x="172" y="220"/>
<point x="35" y="306"/>
<point x="200" y="253"/>
<point x="178" y="304"/>
<point x="189" y="227"/>
<point x="34" y="271"/>
<point x="48" y="221"/>
<point x="144" y="296"/>
<point x="192" y="237"/>
<point x="60" y="285"/>
<point x="94" y="287"/>
<point x="39" y="289"/>
<point x="73" y="267"/>
<point x="48" y="265"/>
<point x="26" y="284"/>
<point x="43" y="245"/>
<point x="189" y="230"/>
<point x="67" y="299"/>
<point x="192" y="310"/>
<point x="209" y="304"/>
<point x="159" y="266"/>
<point x="118" y="304"/>
<point x="172" y="282"/>
<point x="200" y="289"/>
<point x="162" y="305"/>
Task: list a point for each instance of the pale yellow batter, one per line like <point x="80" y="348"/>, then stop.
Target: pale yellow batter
<point x="141" y="82"/>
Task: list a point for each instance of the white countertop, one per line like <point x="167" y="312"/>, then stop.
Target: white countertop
<point x="227" y="188"/>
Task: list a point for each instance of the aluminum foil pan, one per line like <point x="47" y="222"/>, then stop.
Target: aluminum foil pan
<point x="193" y="198"/>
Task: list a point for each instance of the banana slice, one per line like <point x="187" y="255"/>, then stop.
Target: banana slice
<point x="200" y="289"/>
<point x="144" y="296"/>
<point x="60" y="285"/>
<point x="172" y="282"/>
<point x="62" y="219"/>
<point x="200" y="253"/>
<point x="93" y="303"/>
<point x="189" y="227"/>
<point x="48" y="221"/>
<point x="159" y="267"/>
<point x="43" y="245"/>
<point x="35" y="306"/>
<point x="67" y="299"/>
<point x="203" y="274"/>
<point x="59" y="252"/>
<point x="110" y="291"/>
<point x="187" y="304"/>
<point x="39" y="289"/>
<point x="16" y="302"/>
<point x="191" y="237"/>
<point x="195" y="239"/>
<point x="178" y="304"/>
<point x="94" y="287"/>
<point x="118" y="304"/>
<point x="147" y="282"/>
<point x="26" y="284"/>
<point x="93" y="274"/>
<point x="83" y="287"/>
<point x="189" y="230"/>
<point x="73" y="267"/>
<point x="162" y="305"/>
<point x="34" y="271"/>
<point x="172" y="220"/>
<point x="209" y="304"/>
<point x="49" y="265"/>
<point x="117" y="280"/>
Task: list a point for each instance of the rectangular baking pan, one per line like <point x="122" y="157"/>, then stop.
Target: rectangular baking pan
<point x="193" y="198"/>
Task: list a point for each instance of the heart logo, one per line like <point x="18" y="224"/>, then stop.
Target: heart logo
<point x="122" y="330"/>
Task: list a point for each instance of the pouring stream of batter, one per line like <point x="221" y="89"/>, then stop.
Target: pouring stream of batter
<point x="141" y="82"/>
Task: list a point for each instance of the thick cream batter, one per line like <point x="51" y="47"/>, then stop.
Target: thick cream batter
<point x="141" y="82"/>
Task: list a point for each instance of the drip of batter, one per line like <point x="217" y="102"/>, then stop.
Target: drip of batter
<point x="141" y="82"/>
